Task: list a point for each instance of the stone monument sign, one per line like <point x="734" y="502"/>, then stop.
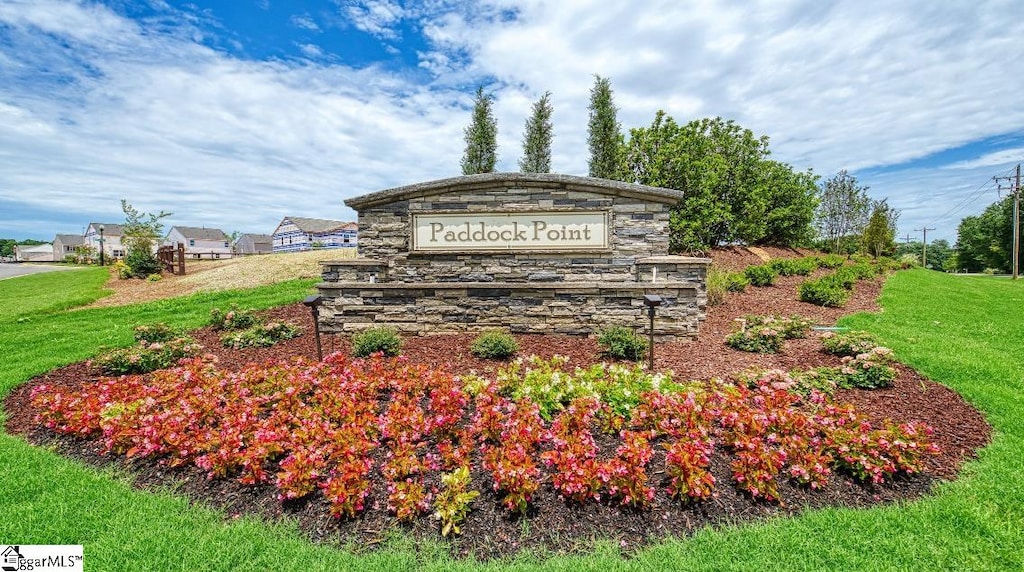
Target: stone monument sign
<point x="533" y="253"/>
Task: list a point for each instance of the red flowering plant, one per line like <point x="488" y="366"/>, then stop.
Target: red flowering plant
<point x="511" y="462"/>
<point x="573" y="457"/>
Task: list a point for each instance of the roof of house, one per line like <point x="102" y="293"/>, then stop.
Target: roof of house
<point x="109" y="229"/>
<point x="320" y="225"/>
<point x="69" y="239"/>
<point x="256" y="237"/>
<point x="197" y="233"/>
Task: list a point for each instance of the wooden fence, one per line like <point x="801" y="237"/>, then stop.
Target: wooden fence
<point x="172" y="258"/>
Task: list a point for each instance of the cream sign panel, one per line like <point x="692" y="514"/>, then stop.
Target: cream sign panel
<point x="510" y="231"/>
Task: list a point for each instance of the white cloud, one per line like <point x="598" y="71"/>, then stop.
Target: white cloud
<point x="376" y="17"/>
<point x="995" y="159"/>
<point x="306" y="22"/>
<point x="152" y="115"/>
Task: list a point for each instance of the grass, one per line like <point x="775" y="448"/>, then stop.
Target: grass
<point x="964" y="332"/>
<point x="50" y="292"/>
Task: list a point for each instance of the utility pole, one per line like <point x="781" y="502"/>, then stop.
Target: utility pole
<point x="907" y="239"/>
<point x="924" y="246"/>
<point x="1015" y="251"/>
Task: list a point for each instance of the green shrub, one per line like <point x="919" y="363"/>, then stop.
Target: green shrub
<point x="851" y="343"/>
<point x="156" y="277"/>
<point x="736" y="282"/>
<point x="760" y="275"/>
<point x="622" y="343"/>
<point x="794" y="266"/>
<point x="147" y="356"/>
<point x="861" y="270"/>
<point x="155" y="333"/>
<point x="761" y="339"/>
<point x="830" y="261"/>
<point x="376" y="340"/>
<point x="792" y="327"/>
<point x="824" y="291"/>
<point x="260" y="336"/>
<point x="141" y="263"/>
<point x="494" y="345"/>
<point x="233" y="319"/>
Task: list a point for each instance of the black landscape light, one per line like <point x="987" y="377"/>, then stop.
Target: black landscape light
<point x="101" y="245"/>
<point x="313" y="302"/>
<point x="652" y="301"/>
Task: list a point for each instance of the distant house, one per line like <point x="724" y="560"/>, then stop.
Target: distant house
<point x="254" y="244"/>
<point x="112" y="234"/>
<point x="297" y="233"/>
<point x="65" y="244"/>
<point x="36" y="253"/>
<point x="200" y="243"/>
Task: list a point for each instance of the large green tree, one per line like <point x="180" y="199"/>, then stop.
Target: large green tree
<point x="986" y="240"/>
<point x="732" y="191"/>
<point x="481" y="136"/>
<point x="843" y="212"/>
<point x="879" y="235"/>
<point x="537" y="138"/>
<point x="791" y="197"/>
<point x="604" y="133"/>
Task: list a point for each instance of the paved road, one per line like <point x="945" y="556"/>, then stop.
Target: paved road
<point x="23" y="269"/>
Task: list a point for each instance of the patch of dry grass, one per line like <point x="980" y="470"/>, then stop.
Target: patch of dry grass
<point x="213" y="275"/>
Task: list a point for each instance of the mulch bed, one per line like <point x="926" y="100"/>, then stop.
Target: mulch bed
<point x="555" y="525"/>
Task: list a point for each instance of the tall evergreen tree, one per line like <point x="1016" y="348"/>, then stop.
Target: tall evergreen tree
<point x="537" y="138"/>
<point x="604" y="132"/>
<point x="481" y="137"/>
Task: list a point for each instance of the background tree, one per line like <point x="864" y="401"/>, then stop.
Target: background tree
<point x="481" y="137"/>
<point x="537" y="138"/>
<point x="879" y="235"/>
<point x="730" y="186"/>
<point x="843" y="212"/>
<point x="986" y="240"/>
<point x="141" y="232"/>
<point x="941" y="255"/>
<point x="604" y="133"/>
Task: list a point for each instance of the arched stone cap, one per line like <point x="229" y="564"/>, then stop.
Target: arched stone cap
<point x="524" y="180"/>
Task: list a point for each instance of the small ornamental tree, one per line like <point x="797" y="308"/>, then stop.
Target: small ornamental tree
<point x="880" y="234"/>
<point x="843" y="211"/>
<point x="537" y="138"/>
<point x="141" y="232"/>
<point x="604" y="134"/>
<point x="481" y="137"/>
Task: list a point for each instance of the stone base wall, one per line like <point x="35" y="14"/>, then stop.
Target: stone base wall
<point x="575" y="309"/>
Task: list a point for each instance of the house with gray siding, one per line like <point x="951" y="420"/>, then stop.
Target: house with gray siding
<point x="254" y="244"/>
<point x="64" y="245"/>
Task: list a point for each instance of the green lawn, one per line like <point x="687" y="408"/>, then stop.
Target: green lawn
<point x="965" y="332"/>
<point x="51" y="291"/>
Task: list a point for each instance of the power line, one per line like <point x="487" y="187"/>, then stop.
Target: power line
<point x="984" y="187"/>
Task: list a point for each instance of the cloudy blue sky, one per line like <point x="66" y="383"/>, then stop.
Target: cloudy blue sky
<point x="235" y="113"/>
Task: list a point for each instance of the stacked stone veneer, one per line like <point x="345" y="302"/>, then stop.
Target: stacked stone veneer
<point x="540" y="291"/>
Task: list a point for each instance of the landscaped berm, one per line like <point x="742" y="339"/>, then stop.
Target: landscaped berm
<point x="771" y="411"/>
